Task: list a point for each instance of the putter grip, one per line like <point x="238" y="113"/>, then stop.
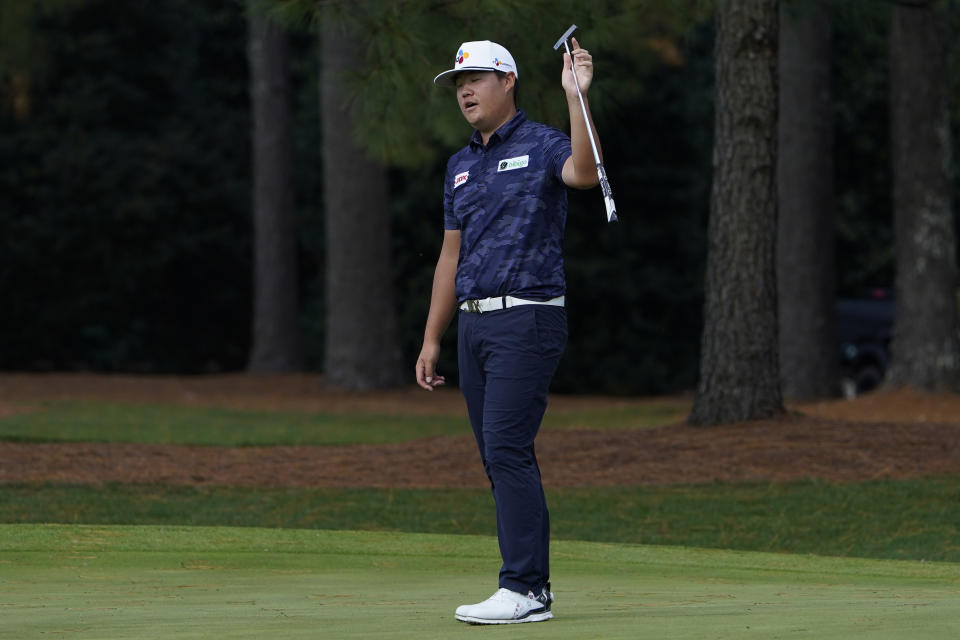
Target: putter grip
<point x="611" y="209"/>
<point x="607" y="194"/>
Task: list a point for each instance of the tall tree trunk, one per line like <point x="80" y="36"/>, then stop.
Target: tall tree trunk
<point x="925" y="349"/>
<point x="806" y="272"/>
<point x="276" y="318"/>
<point x="739" y="377"/>
<point x="361" y="343"/>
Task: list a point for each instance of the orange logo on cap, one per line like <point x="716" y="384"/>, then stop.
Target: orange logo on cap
<point x="461" y="56"/>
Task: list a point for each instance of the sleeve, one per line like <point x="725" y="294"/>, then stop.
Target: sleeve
<point x="450" y="222"/>
<point x="556" y="151"/>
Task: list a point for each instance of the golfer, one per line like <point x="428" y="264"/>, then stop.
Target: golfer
<point x="501" y="265"/>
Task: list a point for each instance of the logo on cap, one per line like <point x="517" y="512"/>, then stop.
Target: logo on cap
<point x="461" y="56"/>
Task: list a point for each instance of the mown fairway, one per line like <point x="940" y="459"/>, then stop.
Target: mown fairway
<point x="219" y="582"/>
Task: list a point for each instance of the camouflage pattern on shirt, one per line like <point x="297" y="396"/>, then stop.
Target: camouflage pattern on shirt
<point x="509" y="203"/>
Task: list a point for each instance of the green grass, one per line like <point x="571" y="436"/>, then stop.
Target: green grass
<point x="171" y="582"/>
<point x="911" y="519"/>
<point x="74" y="421"/>
<point x="176" y="424"/>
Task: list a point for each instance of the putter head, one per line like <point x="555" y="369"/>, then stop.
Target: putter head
<point x="564" y="37"/>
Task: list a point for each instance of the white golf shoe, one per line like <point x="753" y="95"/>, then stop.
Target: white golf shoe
<point x="508" y="607"/>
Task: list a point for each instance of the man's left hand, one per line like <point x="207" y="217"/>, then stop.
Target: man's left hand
<point x="584" y="66"/>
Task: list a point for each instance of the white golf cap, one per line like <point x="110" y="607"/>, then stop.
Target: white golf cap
<point x="481" y="55"/>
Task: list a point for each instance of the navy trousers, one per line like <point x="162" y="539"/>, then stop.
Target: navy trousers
<point x="507" y="359"/>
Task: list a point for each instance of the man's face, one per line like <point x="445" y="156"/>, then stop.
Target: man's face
<point x="484" y="98"/>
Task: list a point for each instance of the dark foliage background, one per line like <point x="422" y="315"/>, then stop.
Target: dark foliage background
<point x="125" y="226"/>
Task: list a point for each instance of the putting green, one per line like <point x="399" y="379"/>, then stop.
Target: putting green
<point x="193" y="582"/>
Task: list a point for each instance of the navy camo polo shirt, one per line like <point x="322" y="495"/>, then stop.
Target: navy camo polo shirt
<point x="509" y="202"/>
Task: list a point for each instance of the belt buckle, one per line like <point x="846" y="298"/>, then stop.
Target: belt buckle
<point x="473" y="306"/>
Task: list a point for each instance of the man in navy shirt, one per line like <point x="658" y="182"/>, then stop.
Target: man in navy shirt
<point x="501" y="265"/>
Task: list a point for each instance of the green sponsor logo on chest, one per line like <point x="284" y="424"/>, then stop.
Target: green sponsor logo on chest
<point x="510" y="164"/>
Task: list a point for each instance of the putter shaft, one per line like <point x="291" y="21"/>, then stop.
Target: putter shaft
<point x="601" y="172"/>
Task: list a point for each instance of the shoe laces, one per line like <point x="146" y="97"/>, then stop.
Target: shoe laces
<point x="505" y="594"/>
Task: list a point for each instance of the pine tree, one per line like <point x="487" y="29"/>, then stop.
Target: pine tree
<point x="806" y="278"/>
<point x="739" y="377"/>
<point x="925" y="351"/>
<point x="362" y="349"/>
<point x="276" y="323"/>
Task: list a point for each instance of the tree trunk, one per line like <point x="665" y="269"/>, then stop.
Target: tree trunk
<point x="739" y="377"/>
<point x="361" y="347"/>
<point x="276" y="317"/>
<point x="925" y="348"/>
<point x="806" y="273"/>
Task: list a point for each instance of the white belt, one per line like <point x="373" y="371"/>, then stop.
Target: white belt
<point x="504" y="302"/>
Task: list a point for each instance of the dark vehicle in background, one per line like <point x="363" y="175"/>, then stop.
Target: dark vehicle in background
<point x="865" y="327"/>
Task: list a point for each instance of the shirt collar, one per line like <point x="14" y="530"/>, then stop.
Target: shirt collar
<point x="476" y="141"/>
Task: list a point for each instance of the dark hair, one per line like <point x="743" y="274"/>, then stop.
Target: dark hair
<point x="516" y="87"/>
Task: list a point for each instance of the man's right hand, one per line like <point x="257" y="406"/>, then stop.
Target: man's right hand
<point x="443" y="304"/>
<point x="426" y="367"/>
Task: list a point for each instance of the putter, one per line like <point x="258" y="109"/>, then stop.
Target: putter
<point x="601" y="172"/>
